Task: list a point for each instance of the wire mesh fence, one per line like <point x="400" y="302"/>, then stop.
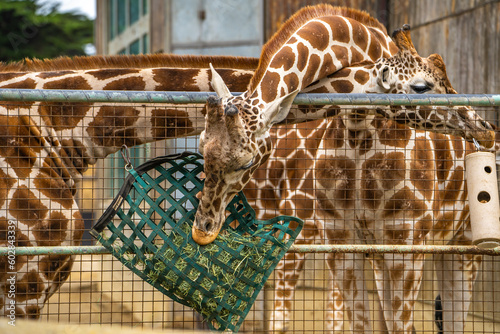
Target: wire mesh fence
<point x="389" y="201"/>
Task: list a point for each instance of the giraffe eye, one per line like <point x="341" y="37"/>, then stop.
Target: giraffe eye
<point x="246" y="166"/>
<point x="420" y="88"/>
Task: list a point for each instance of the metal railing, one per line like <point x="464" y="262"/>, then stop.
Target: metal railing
<point x="91" y="96"/>
<point x="476" y="100"/>
<point x="426" y="249"/>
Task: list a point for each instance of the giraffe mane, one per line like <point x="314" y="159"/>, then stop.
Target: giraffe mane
<point x="128" y="61"/>
<point x="295" y="22"/>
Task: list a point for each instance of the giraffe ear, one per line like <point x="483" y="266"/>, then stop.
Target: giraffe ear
<point x="278" y="109"/>
<point x="218" y="85"/>
<point x="383" y="79"/>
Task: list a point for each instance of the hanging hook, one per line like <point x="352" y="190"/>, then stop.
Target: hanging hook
<point x="126" y="157"/>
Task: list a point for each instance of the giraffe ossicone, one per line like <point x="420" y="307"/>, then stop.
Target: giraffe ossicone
<point x="314" y="43"/>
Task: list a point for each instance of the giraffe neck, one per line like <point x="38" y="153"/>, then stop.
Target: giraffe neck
<point x="318" y="47"/>
<point x="312" y="45"/>
<point x="76" y="135"/>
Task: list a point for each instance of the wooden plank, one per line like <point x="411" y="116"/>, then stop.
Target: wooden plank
<point x="468" y="42"/>
<point x="101" y="28"/>
<point x="158" y="25"/>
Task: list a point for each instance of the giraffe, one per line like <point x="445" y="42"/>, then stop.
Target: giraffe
<point x="313" y="43"/>
<point x="360" y="178"/>
<point x="45" y="148"/>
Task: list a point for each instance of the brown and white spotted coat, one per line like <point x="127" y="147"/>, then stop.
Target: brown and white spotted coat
<point x="363" y="179"/>
<point x="315" y="42"/>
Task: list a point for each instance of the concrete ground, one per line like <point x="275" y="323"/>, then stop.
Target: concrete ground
<point x="102" y="291"/>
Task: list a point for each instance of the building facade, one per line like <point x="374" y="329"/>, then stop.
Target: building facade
<point x="218" y="27"/>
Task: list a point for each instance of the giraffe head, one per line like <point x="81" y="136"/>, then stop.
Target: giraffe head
<point x="408" y="73"/>
<point x="234" y="144"/>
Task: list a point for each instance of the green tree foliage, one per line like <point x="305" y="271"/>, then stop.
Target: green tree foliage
<point x="34" y="30"/>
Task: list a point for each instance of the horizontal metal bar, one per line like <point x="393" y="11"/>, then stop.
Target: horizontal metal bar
<point x="53" y="250"/>
<point x="371" y="249"/>
<point x="399" y="249"/>
<point x="91" y="96"/>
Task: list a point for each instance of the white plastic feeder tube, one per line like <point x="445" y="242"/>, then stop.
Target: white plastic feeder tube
<point x="481" y="176"/>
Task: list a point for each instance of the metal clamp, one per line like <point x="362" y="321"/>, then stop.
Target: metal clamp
<point x="126" y="157"/>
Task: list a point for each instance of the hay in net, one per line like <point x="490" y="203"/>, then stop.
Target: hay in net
<point x="148" y="228"/>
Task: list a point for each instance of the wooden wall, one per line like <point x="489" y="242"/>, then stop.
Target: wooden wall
<point x="465" y="32"/>
<point x="159" y="29"/>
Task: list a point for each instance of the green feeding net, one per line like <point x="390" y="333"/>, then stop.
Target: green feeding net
<point x="148" y="228"/>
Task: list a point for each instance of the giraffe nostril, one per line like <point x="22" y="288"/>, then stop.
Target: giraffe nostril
<point x="208" y="226"/>
<point x="486" y="125"/>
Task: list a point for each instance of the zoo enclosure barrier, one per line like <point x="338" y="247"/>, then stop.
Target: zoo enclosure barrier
<point x="93" y="286"/>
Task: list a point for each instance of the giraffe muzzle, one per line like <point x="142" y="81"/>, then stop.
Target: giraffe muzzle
<point x="485" y="135"/>
<point x="205" y="231"/>
<point x="489" y="140"/>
